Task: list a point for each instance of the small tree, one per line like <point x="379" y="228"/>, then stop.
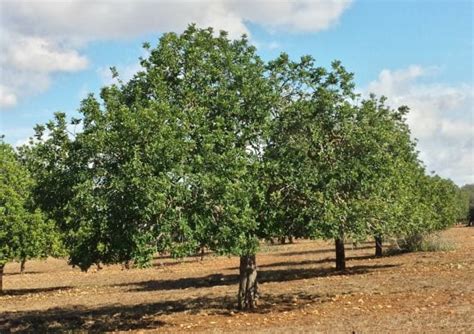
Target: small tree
<point x="466" y="204"/>
<point x="24" y="231"/>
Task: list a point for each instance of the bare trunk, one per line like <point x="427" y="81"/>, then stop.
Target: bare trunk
<point x="291" y="240"/>
<point x="1" y="278"/>
<point x="283" y="240"/>
<point x="203" y="252"/>
<point x="22" y="266"/>
<point x="378" y="246"/>
<point x="248" y="287"/>
<point x="340" y="254"/>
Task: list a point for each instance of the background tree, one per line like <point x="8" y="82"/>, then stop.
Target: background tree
<point x="333" y="161"/>
<point x="466" y="208"/>
<point x="24" y="231"/>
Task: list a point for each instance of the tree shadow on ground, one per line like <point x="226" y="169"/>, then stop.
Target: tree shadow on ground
<point x="25" y="273"/>
<point x="147" y="316"/>
<point x="158" y="263"/>
<point x="139" y="317"/>
<point x="319" y="251"/>
<point x="264" y="276"/>
<point x="309" y="262"/>
<point x="21" y="292"/>
<point x="110" y="318"/>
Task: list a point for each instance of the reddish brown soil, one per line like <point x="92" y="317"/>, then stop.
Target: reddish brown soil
<point x="300" y="292"/>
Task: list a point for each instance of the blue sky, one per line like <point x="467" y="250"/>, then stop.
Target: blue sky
<point x="419" y="53"/>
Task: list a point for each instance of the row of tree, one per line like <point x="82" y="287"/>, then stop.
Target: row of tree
<point x="209" y="146"/>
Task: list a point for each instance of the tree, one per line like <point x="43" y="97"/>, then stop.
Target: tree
<point x="24" y="232"/>
<point x="332" y="159"/>
<point x="221" y="99"/>
<point x="466" y="203"/>
<point x="168" y="161"/>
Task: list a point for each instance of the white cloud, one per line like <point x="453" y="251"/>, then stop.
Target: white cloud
<point x="7" y="98"/>
<point x="441" y="118"/>
<point x="27" y="63"/>
<point x="41" y="55"/>
<point x="100" y="19"/>
<point x="43" y="37"/>
<point x="303" y="15"/>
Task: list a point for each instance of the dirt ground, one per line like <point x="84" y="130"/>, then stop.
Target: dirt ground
<point x="300" y="292"/>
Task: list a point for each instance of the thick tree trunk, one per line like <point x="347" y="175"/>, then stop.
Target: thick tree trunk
<point x="340" y="254"/>
<point x="248" y="287"/>
<point x="291" y="240"/>
<point x="1" y="278"/>
<point x="378" y="246"/>
<point x="22" y="266"/>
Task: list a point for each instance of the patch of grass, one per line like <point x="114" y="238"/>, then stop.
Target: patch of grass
<point x="421" y="243"/>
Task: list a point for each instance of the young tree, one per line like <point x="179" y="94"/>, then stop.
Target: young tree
<point x="24" y="231"/>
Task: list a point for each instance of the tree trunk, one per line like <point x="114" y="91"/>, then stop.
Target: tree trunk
<point x="340" y="254"/>
<point x="378" y="246"/>
<point x="248" y="287"/>
<point x="1" y="278"/>
<point x="22" y="266"/>
<point x="203" y="252"/>
<point x="283" y="240"/>
<point x="291" y="240"/>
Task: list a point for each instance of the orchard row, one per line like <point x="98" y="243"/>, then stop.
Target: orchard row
<point x="210" y="146"/>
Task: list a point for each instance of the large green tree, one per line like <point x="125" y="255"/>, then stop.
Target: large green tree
<point x="221" y="100"/>
<point x="169" y="161"/>
<point x="336" y="164"/>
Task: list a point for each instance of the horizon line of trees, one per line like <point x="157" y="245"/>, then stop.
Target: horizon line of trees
<point x="210" y="146"/>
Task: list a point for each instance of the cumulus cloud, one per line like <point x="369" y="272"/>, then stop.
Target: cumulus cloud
<point x="43" y="37"/>
<point x="41" y="55"/>
<point x="84" y="19"/>
<point x="441" y="118"/>
<point x="27" y="63"/>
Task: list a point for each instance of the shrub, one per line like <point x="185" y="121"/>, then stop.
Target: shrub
<point x="421" y="243"/>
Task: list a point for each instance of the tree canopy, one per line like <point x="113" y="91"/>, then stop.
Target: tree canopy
<point x="24" y="231"/>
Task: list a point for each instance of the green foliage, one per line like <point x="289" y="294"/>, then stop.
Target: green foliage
<point x="208" y="146"/>
<point x="336" y="165"/>
<point x="466" y="200"/>
<point x="166" y="162"/>
<point x="24" y="231"/>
